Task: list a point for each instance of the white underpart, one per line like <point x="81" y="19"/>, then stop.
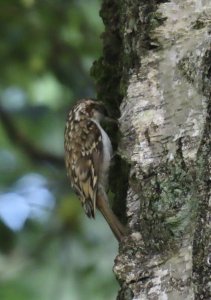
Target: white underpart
<point x="107" y="153"/>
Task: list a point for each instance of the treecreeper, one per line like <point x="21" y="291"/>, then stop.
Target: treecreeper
<point x="88" y="153"/>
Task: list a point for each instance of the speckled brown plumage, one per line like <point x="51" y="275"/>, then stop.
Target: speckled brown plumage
<point x="87" y="157"/>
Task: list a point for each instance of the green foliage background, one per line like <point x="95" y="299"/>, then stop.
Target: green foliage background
<point x="46" y="50"/>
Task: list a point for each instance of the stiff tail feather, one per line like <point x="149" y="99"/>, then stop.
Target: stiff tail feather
<point x="117" y="228"/>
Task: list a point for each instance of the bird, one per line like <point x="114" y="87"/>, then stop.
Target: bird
<point x="88" y="153"/>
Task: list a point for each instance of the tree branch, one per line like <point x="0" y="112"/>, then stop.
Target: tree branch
<point x="18" y="138"/>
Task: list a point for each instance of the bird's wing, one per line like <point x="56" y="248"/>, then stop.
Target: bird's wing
<point x="85" y="158"/>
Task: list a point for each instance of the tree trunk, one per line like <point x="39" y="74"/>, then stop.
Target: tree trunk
<point x="156" y="67"/>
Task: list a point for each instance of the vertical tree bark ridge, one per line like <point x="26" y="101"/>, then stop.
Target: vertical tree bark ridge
<point x="163" y="127"/>
<point x="202" y="236"/>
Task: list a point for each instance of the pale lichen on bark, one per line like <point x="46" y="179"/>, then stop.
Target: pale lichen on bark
<point x="163" y="118"/>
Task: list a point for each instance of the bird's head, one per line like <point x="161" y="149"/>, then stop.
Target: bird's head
<point x="88" y="108"/>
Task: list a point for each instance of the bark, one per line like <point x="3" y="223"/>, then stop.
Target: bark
<point x="156" y="67"/>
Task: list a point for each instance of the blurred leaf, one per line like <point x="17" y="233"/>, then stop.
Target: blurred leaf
<point x="7" y="239"/>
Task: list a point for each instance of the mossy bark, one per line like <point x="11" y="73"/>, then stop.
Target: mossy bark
<point x="155" y="77"/>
